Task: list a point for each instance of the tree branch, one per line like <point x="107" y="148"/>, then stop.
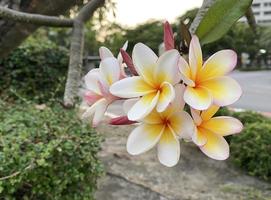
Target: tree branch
<point x="35" y="19"/>
<point x="204" y="8"/>
<point x="87" y="11"/>
<point x="76" y="52"/>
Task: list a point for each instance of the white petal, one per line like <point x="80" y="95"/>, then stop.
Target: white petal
<point x="144" y="60"/>
<point x="91" y="81"/>
<point x="110" y="70"/>
<point x="185" y="72"/>
<point x="196" y="116"/>
<point x="128" y="104"/>
<point x="96" y="112"/>
<point x="223" y="125"/>
<point x="195" y="56"/>
<point x="167" y="67"/>
<point x="143" y="107"/>
<point x="124" y="47"/>
<point x="224" y="90"/>
<point x="99" y="112"/>
<point x="168" y="149"/>
<point x="105" y="53"/>
<point x="198" y="98"/>
<point x="182" y="125"/>
<point x="131" y="87"/>
<point x="143" y="138"/>
<point x="167" y="95"/>
<point x="219" y="64"/>
<point x="216" y="146"/>
<point x="178" y="103"/>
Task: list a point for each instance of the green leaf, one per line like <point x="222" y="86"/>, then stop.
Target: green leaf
<point x="219" y="18"/>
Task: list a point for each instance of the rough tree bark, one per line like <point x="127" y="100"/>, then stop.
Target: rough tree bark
<point x="76" y="52"/>
<point x="13" y="33"/>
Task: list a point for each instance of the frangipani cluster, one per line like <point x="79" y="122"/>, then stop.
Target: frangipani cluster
<point x="155" y="94"/>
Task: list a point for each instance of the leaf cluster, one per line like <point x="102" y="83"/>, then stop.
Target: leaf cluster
<point x="46" y="153"/>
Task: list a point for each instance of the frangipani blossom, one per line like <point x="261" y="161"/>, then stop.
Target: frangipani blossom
<point x="97" y="82"/>
<point x="207" y="83"/>
<point x="155" y="82"/>
<point x="163" y="129"/>
<point x="210" y="132"/>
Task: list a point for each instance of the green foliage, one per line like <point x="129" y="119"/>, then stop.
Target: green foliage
<point x="150" y="33"/>
<point x="251" y="149"/>
<point x="48" y="153"/>
<point x="219" y="19"/>
<point x="249" y="117"/>
<point x="36" y="70"/>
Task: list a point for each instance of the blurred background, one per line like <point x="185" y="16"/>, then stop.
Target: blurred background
<point x="46" y="152"/>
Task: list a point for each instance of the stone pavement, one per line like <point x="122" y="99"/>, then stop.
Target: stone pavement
<point x="196" y="177"/>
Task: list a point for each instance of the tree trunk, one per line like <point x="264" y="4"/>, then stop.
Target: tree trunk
<point x="13" y="33"/>
<point x="76" y="52"/>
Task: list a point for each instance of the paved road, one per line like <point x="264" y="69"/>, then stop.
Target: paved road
<point x="256" y="86"/>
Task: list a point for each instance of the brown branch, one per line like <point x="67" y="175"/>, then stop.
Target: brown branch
<point x="35" y="19"/>
<point x="76" y="51"/>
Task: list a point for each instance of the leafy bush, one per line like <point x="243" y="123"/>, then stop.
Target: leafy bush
<point x="46" y="153"/>
<point x="248" y="117"/>
<point x="36" y="70"/>
<point x="251" y="149"/>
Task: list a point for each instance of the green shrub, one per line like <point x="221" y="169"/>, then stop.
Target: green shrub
<point x="47" y="153"/>
<point x="251" y="149"/>
<point x="36" y="71"/>
<point x="248" y="117"/>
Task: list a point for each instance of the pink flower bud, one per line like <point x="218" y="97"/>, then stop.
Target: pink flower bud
<point x="128" y="61"/>
<point x="168" y="37"/>
<point x="122" y="120"/>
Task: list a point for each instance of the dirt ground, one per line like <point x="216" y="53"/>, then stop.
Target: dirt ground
<point x="196" y="177"/>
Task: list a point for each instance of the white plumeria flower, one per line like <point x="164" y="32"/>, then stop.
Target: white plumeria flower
<point x="155" y="82"/>
<point x="163" y="129"/>
<point x="97" y="82"/>
<point x="210" y="131"/>
<point x="208" y="83"/>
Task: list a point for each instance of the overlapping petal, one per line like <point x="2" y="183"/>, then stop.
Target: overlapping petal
<point x="167" y="67"/>
<point x="91" y="81"/>
<point x="198" y="98"/>
<point x="223" y="125"/>
<point x="167" y="95"/>
<point x="143" y="138"/>
<point x="224" y="90"/>
<point x="216" y="146"/>
<point x="182" y="124"/>
<point x="185" y="72"/>
<point x="131" y="87"/>
<point x="143" y="106"/>
<point x="144" y="60"/>
<point x="110" y="70"/>
<point x="168" y="149"/>
<point x="199" y="138"/>
<point x="95" y="112"/>
<point x="209" y="113"/>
